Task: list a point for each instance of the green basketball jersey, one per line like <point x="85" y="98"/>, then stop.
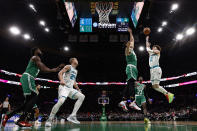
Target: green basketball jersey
<point x="132" y="59"/>
<point x="32" y="69"/>
<point x="139" y="89"/>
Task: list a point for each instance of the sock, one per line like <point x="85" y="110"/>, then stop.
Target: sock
<point x="56" y="108"/>
<point x="161" y="89"/>
<point x="78" y="103"/>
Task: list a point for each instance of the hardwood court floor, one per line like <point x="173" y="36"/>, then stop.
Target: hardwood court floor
<point x="111" y="126"/>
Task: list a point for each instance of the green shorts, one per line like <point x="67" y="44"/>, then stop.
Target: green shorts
<point x="28" y="84"/>
<point x="140" y="99"/>
<point x="131" y="72"/>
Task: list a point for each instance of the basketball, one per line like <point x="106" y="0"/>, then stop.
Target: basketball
<point x="146" y="31"/>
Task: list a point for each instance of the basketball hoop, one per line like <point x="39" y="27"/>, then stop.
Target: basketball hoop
<point x="103" y="101"/>
<point x="104" y="9"/>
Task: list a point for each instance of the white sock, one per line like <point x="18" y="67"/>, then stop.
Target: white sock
<point x="80" y="97"/>
<point x="56" y="108"/>
<point x="162" y="90"/>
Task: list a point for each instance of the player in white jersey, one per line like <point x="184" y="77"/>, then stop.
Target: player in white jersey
<point x="155" y="70"/>
<point x="67" y="77"/>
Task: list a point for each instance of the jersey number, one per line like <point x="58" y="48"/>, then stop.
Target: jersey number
<point x="139" y="92"/>
<point x="72" y="77"/>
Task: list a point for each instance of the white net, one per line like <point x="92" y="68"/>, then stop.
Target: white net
<point x="104" y="9"/>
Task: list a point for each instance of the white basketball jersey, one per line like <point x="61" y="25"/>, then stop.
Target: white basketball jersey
<point x="153" y="59"/>
<point x="70" y="77"/>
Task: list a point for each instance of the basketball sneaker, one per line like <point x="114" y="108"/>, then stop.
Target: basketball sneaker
<point x="170" y="97"/>
<point x="147" y="127"/>
<point x="73" y="119"/>
<point x="147" y="121"/>
<point x="23" y="124"/>
<point x="122" y="104"/>
<point x="134" y="106"/>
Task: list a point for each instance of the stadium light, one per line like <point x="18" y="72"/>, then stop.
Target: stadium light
<point x="174" y="7"/>
<point x="179" y="37"/>
<point x="164" y="23"/>
<point x="190" y="31"/>
<point x="160" y="29"/>
<point x="46" y="29"/>
<point x="26" y="36"/>
<point x="141" y="48"/>
<point x="15" y="30"/>
<point x="66" y="48"/>
<point x="42" y="23"/>
<point x="32" y="7"/>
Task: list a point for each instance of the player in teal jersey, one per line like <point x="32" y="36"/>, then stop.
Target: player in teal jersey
<point x="140" y="97"/>
<point x="29" y="87"/>
<point x="155" y="69"/>
<point x="131" y="72"/>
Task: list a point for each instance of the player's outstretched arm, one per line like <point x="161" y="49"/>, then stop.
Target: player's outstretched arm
<point x="129" y="44"/>
<point x="131" y="38"/>
<point x="147" y="42"/>
<point x="60" y="74"/>
<point x="148" y="49"/>
<point x="42" y="66"/>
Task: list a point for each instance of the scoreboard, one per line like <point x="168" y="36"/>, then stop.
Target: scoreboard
<point x="85" y="24"/>
<point x="122" y="24"/>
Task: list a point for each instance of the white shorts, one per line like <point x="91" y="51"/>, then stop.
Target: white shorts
<point x="64" y="91"/>
<point x="155" y="75"/>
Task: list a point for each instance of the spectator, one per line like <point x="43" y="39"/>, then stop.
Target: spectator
<point x="6" y="106"/>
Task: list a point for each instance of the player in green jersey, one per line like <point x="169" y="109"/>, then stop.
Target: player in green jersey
<point x="140" y="93"/>
<point x="132" y="73"/>
<point x="35" y="65"/>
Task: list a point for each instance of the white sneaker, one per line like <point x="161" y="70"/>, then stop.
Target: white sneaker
<point x="48" y="123"/>
<point x="123" y="106"/>
<point x="134" y="106"/>
<point x="73" y="119"/>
